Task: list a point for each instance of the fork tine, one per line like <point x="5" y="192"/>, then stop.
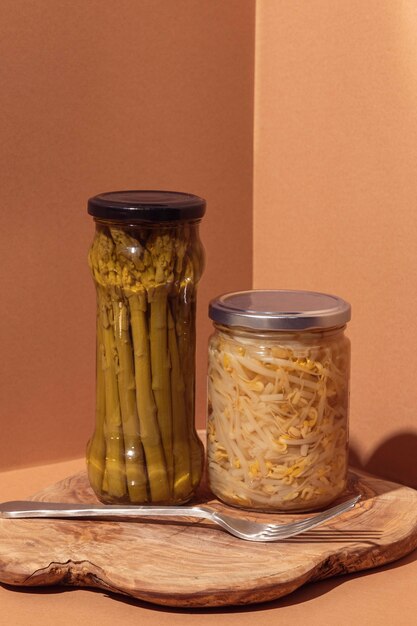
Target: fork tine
<point x="315" y="520"/>
<point x="273" y="532"/>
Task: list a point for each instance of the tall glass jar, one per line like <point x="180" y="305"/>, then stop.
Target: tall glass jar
<point x="278" y="387"/>
<point x="146" y="260"/>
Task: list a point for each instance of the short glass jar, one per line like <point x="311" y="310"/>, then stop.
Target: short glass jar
<point x="146" y="259"/>
<point x="278" y="399"/>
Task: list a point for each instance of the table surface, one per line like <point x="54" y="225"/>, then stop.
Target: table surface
<point x="383" y="596"/>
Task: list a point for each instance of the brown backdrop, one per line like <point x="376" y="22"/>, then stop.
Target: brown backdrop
<point x="98" y="96"/>
<point x="154" y="93"/>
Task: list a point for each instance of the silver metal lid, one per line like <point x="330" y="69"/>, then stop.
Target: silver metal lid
<point x="280" y="309"/>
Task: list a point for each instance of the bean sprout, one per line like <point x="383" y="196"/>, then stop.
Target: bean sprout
<point x="277" y="423"/>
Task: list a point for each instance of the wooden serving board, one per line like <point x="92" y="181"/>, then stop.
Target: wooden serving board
<point x="191" y="563"/>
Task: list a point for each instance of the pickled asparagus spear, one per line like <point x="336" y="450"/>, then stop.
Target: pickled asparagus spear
<point x="197" y="261"/>
<point x="134" y="459"/>
<point x="160" y="365"/>
<point x="97" y="446"/>
<point x="115" y="471"/>
<point x="151" y="438"/>
<point x="185" y="329"/>
<point x="114" y="482"/>
<point x="181" y="447"/>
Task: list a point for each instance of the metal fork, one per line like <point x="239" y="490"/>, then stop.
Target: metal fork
<point x="241" y="528"/>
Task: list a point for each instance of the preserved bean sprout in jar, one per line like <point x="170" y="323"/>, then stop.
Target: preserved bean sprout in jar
<point x="146" y="260"/>
<point x="278" y="399"/>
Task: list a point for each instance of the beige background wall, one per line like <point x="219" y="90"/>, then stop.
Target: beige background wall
<point x="100" y="95"/>
<point x="336" y="190"/>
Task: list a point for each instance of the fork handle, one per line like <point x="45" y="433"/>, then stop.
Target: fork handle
<point x="25" y="509"/>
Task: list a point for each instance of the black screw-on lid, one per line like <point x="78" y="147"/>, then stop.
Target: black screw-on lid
<point x="150" y="206"/>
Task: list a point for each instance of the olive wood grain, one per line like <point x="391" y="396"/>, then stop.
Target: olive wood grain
<point x="194" y="564"/>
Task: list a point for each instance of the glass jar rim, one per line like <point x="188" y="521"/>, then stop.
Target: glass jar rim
<point x="280" y="309"/>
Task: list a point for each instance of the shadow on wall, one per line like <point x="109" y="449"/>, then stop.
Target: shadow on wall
<point x="394" y="459"/>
